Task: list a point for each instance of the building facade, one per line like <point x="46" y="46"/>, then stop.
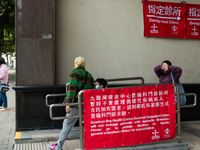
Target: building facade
<point x="107" y="33"/>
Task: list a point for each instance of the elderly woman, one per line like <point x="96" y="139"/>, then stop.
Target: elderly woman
<point x="4" y="80"/>
<point x="79" y="79"/>
<point x="164" y="71"/>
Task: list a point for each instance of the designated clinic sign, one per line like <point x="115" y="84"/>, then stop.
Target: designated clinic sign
<point x="163" y="19"/>
<point x="128" y="116"/>
<point x="175" y="20"/>
<point x="193" y="21"/>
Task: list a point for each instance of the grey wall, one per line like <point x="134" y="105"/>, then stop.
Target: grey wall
<point x="109" y="35"/>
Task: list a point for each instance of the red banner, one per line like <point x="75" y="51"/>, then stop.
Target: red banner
<point x="163" y="19"/>
<point x="193" y="21"/>
<point x="128" y="116"/>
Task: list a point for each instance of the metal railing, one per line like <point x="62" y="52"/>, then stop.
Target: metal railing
<point x="62" y="105"/>
<point x="125" y="79"/>
<point x="55" y="95"/>
<point x="178" y="112"/>
<point x="190" y="105"/>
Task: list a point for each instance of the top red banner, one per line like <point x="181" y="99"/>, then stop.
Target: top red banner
<point x="174" y="20"/>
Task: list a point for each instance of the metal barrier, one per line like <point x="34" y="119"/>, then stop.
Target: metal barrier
<point x="108" y="80"/>
<point x="62" y="105"/>
<point x="178" y="112"/>
<point x="55" y="95"/>
<point x="195" y="100"/>
<point x="125" y="79"/>
<point x="111" y="80"/>
<point x="184" y="106"/>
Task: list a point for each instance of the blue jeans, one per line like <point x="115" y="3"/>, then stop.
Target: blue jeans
<point x="68" y="124"/>
<point x="3" y="99"/>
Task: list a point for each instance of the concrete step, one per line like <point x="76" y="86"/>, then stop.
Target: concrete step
<point x="164" y="145"/>
<point x="31" y="146"/>
<point x="44" y="135"/>
<point x="38" y="139"/>
<point x="74" y="144"/>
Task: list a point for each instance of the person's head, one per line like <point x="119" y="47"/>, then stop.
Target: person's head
<point x="100" y="83"/>
<point x="79" y="61"/>
<point x="167" y="62"/>
<point x="2" y="61"/>
<point x="164" y="66"/>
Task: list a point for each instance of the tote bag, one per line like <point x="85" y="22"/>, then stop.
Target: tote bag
<point x="4" y="87"/>
<point x="181" y="90"/>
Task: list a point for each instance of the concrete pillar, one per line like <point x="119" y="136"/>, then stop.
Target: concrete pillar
<point x="35" y="42"/>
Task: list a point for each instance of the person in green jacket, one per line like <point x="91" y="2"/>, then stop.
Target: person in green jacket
<point x="77" y="82"/>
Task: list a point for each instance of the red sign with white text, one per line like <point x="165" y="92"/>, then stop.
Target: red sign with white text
<point x="163" y="19"/>
<point x="128" y="116"/>
<point x="193" y="21"/>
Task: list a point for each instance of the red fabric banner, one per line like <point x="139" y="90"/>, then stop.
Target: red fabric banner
<point x="128" y="116"/>
<point x="193" y="21"/>
<point x="163" y="19"/>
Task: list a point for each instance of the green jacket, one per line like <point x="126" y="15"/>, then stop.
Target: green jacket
<point x="76" y="81"/>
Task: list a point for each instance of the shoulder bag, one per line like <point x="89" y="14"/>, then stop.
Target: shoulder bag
<point x="181" y="90"/>
<point x="4" y="87"/>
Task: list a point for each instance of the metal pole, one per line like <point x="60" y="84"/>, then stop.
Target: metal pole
<point x="66" y="86"/>
<point x="61" y="105"/>
<point x="178" y="114"/>
<point x="195" y="100"/>
<point x="80" y="118"/>
<point x="52" y="95"/>
<point x="125" y="79"/>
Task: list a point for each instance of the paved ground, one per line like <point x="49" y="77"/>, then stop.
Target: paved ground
<point x="190" y="130"/>
<point x="7" y="118"/>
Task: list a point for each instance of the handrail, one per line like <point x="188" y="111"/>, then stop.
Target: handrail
<point x="124" y="79"/>
<point x="178" y="112"/>
<point x="195" y="100"/>
<point x="53" y="95"/>
<point x="66" y="86"/>
<point x="80" y="118"/>
<point x="61" y="105"/>
<point x="108" y="80"/>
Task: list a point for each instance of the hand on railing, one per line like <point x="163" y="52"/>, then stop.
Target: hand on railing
<point x="67" y="108"/>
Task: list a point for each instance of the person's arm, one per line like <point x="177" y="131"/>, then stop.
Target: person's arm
<point x="158" y="71"/>
<point x="176" y="71"/>
<point x="3" y="72"/>
<point x="72" y="89"/>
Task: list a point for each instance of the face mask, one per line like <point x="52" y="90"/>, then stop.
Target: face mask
<point x="96" y="87"/>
